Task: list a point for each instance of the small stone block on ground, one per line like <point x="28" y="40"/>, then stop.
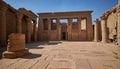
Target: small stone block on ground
<point x="16" y="46"/>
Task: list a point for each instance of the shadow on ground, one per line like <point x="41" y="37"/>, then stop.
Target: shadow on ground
<point x="35" y="45"/>
<point x="2" y="49"/>
<point x="40" y="45"/>
<point x="31" y="56"/>
<point x="51" y="43"/>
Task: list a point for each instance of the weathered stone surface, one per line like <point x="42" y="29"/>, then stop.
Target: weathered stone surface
<point x="16" y="46"/>
<point x="16" y="42"/>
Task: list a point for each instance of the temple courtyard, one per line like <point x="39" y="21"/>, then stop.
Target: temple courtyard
<point x="66" y="55"/>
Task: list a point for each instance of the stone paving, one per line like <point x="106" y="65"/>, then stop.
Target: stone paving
<point x="66" y="55"/>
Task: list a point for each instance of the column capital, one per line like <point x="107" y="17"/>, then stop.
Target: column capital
<point x="3" y="6"/>
<point x="58" y="20"/>
<point x="96" y="20"/>
<point x="104" y="17"/>
<point x="28" y="19"/>
<point x="69" y="19"/>
<point x="19" y="15"/>
<point x="79" y="19"/>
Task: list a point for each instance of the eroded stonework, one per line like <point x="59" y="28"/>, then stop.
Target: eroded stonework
<point x="110" y="25"/>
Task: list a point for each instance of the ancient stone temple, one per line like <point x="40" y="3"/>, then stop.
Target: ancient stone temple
<point x="110" y="22"/>
<point x="75" y="26"/>
<point x="16" y="21"/>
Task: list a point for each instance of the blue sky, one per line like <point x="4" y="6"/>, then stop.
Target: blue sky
<point x="37" y="6"/>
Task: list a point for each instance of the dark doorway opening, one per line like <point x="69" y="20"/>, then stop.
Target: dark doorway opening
<point x="64" y="35"/>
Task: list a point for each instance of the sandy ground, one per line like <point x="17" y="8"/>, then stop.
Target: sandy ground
<point x="66" y="55"/>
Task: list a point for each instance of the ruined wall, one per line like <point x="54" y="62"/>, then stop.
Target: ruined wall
<point x="112" y="25"/>
<point x="110" y="19"/>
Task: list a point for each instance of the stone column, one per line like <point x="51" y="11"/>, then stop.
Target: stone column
<point x="28" y="30"/>
<point x="96" y="21"/>
<point x="104" y="29"/>
<point x="3" y="39"/>
<point x="35" y="31"/>
<point x="40" y="29"/>
<point x="89" y="27"/>
<point x="49" y="28"/>
<point x="69" y="29"/>
<point x="58" y="28"/>
<point x="19" y="22"/>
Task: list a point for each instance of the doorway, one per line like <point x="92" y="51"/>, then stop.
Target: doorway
<point x="63" y="35"/>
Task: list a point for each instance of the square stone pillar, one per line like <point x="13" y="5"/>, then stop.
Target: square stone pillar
<point x="16" y="46"/>
<point x="40" y="29"/>
<point x="35" y="31"/>
<point x="69" y="29"/>
<point x="79" y="28"/>
<point x="96" y="38"/>
<point x="29" y="22"/>
<point x="49" y="29"/>
<point x="19" y="22"/>
<point x="104" y="29"/>
<point x="3" y="38"/>
<point x="89" y="27"/>
<point x="58" y="29"/>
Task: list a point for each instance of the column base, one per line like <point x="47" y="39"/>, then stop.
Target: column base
<point x="96" y="40"/>
<point x="16" y="54"/>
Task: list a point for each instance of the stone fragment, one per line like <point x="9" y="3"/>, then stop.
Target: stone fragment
<point x="16" y="46"/>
